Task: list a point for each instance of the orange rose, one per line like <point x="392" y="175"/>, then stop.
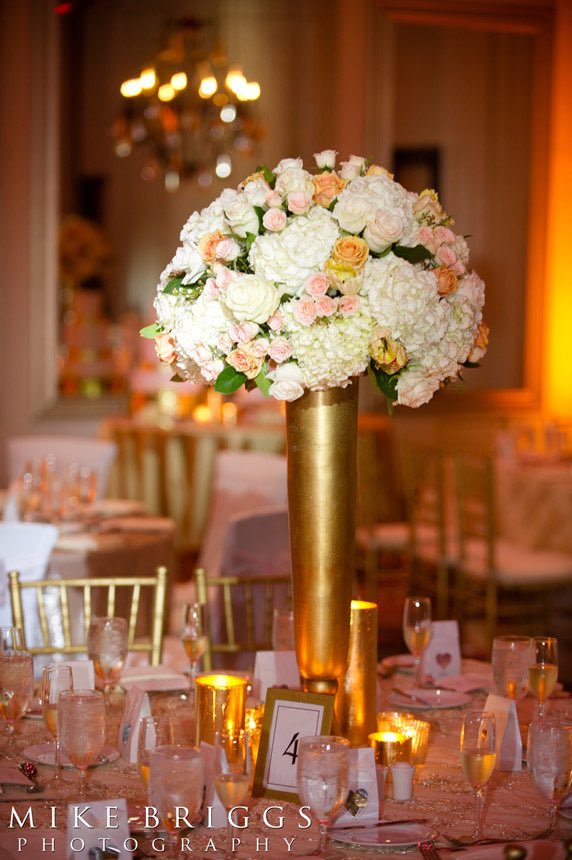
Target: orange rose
<point x="327" y="186"/>
<point x="207" y="245"/>
<point x="259" y="174"/>
<point x="350" y="251"/>
<point x="164" y="347"/>
<point x="447" y="280"/>
<point x="377" y="170"/>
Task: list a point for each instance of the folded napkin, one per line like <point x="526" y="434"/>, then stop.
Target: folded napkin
<point x="10" y="775"/>
<point x="153" y="679"/>
<point x="81" y="542"/>
<point x="143" y="524"/>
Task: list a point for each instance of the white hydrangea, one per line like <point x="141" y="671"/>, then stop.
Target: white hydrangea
<point x="198" y="325"/>
<point x="208" y="220"/>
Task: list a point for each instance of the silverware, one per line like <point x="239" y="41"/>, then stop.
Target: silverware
<point x="428" y="851"/>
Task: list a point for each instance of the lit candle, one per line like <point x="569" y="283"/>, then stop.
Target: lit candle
<point x="220" y="705"/>
<point x="407" y="724"/>
<point x="390" y="747"/>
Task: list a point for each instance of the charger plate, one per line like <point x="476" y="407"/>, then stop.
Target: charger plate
<point x="387" y="837"/>
<point x="44" y="754"/>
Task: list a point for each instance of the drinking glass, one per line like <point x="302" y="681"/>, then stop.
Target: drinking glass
<point x="543" y="673"/>
<point x="549" y="756"/>
<point x="81" y="729"/>
<point x="417" y="630"/>
<point x="231" y="776"/>
<point x="16" y="690"/>
<point x="11" y="639"/>
<point x="56" y="678"/>
<point x="478" y="756"/>
<point x="511" y="657"/>
<point x="323" y="780"/>
<point x="283" y="630"/>
<point x="153" y="732"/>
<point x="107" y="647"/>
<point x="176" y="779"/>
<point x="194" y="635"/>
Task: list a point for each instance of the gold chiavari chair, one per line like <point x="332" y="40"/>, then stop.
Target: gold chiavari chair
<point x="241" y="608"/>
<point x="101" y="596"/>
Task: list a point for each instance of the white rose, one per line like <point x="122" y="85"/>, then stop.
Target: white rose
<point x="286" y="382"/>
<point x="353" y="212"/>
<point x="240" y="213"/>
<point x="292" y="180"/>
<point x="326" y="158"/>
<point x="251" y="298"/>
<point x="256" y="191"/>
<point x="352" y="167"/>
<point x="227" y="250"/>
<point x="188" y="260"/>
<point x="383" y="230"/>
<point x="286" y="164"/>
<point x="416" y="387"/>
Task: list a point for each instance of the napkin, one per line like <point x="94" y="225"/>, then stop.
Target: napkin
<point x="10" y="775"/>
<point x="82" y="542"/>
<point x="468" y="682"/>
<point x="153" y="679"/>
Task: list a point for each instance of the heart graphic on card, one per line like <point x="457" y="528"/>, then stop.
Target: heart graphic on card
<point x="357" y="800"/>
<point x="443" y="660"/>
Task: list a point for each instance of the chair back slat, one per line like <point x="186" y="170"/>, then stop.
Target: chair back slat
<point x="135" y="597"/>
<point x="87" y="609"/>
<point x="43" y="618"/>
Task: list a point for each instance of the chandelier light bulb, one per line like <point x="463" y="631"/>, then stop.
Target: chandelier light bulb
<point x="228" y="113"/>
<point x="234" y="78"/>
<point x="148" y="79"/>
<point x="179" y="81"/>
<point x="253" y="90"/>
<point x="208" y="87"/>
<point x="130" y="88"/>
<point x="166" y="92"/>
<point x="223" y="166"/>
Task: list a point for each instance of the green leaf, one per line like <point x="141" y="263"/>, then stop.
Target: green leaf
<point x="262" y="381"/>
<point x="377" y="255"/>
<point x="332" y="205"/>
<point x="471" y="364"/>
<point x="386" y="382"/>
<point x="151" y="330"/>
<point x="176" y="378"/>
<point x="260" y="212"/>
<point x="413" y="255"/>
<point x="250" y="237"/>
<point x="174" y="284"/>
<point x="229" y="380"/>
<point x="267" y="173"/>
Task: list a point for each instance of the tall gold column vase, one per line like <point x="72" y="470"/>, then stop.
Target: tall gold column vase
<point x="356" y="699"/>
<point x="321" y="429"/>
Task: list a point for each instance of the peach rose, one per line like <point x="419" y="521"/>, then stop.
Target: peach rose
<point x="227" y="249"/>
<point x="280" y="350"/>
<point x="427" y="238"/>
<point x="274" y="220"/>
<point x="326" y="306"/>
<point x="317" y="285"/>
<point x="244" y="332"/>
<point x="223" y="277"/>
<point x="481" y="343"/>
<point x="207" y="245"/>
<point x="327" y="186"/>
<point x="348" y="305"/>
<point x="273" y="199"/>
<point x="259" y="347"/>
<point x="377" y="170"/>
<point x="305" y="311"/>
<point x="245" y="362"/>
<point x="350" y="251"/>
<point x="275" y="322"/>
<point x="447" y="280"/>
<point x="427" y="208"/>
<point x="299" y="202"/>
<point x="210" y="288"/>
<point x="446" y="255"/>
<point x="165" y="348"/>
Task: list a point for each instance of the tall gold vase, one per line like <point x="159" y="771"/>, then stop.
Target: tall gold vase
<point x="321" y="429"/>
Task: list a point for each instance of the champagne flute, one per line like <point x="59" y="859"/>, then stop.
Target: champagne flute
<point x="194" y="635"/>
<point x="543" y="673"/>
<point x="81" y="728"/>
<point x="176" y="779"/>
<point x="478" y="756"/>
<point x="511" y="657"/>
<point x="549" y="756"/>
<point x="16" y="690"/>
<point x="11" y="639"/>
<point x="107" y="647"/>
<point x="231" y="776"/>
<point x="417" y="631"/>
<point x="153" y="732"/>
<point x="323" y="780"/>
<point x="56" y="678"/>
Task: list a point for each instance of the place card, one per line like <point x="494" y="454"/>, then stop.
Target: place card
<point x="362" y="806"/>
<point x="509" y="741"/>
<point x="103" y="824"/>
<point x="83" y="674"/>
<point x="137" y="706"/>
<point x="212" y="802"/>
<point x="289" y="716"/>
<point x="276" y="669"/>
<point x="443" y="653"/>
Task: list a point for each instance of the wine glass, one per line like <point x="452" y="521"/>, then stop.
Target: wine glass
<point x="543" y="673"/>
<point x="323" y="779"/>
<point x="56" y="678"/>
<point x="16" y="690"/>
<point x="11" y="639"/>
<point x="417" y="630"/>
<point x="107" y="647"/>
<point x="81" y="729"/>
<point x="549" y="756"/>
<point x="153" y="732"/>
<point x="511" y="657"/>
<point x="478" y="756"/>
<point x="194" y="635"/>
<point x="231" y="775"/>
<point x="176" y="779"/>
<point x="283" y="629"/>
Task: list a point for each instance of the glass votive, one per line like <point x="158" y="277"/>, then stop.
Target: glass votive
<point x="418" y="730"/>
<point x="390" y="747"/>
<point x="402" y="778"/>
<point x="220" y="705"/>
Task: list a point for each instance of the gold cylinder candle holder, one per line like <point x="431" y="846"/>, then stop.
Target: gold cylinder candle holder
<point x="355" y="706"/>
<point x="220" y="704"/>
<point x="390" y="747"/>
<point x="407" y="724"/>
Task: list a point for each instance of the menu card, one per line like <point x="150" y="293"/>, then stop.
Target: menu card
<point x="101" y="825"/>
<point x="443" y="653"/>
<point x="509" y="741"/>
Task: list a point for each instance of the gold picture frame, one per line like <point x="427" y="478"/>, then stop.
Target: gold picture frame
<point x="288" y="717"/>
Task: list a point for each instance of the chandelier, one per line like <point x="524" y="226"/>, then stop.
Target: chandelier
<point x="188" y="111"/>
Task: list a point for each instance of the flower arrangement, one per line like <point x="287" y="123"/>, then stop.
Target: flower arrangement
<point x="302" y="280"/>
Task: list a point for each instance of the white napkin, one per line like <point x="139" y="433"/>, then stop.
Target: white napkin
<point x="153" y="679"/>
<point x="10" y="775"/>
<point x="81" y="542"/>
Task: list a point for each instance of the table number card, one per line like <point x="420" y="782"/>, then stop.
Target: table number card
<point x="289" y="716"/>
<point x="136" y="707"/>
<point x="509" y="741"/>
<point x="101" y="825"/>
<point x="443" y="653"/>
<point x="362" y="806"/>
<point x="276" y="668"/>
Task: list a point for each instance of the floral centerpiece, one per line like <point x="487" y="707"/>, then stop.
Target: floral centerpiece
<point x="301" y="280"/>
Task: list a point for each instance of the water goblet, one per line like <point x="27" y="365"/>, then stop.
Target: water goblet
<point x="417" y="630"/>
<point x="16" y="690"/>
<point x="543" y="673"/>
<point x="322" y="779"/>
<point x="478" y="756"/>
<point x="176" y="779"/>
<point x="154" y="731"/>
<point x="11" y="639"/>
<point x="81" y="729"/>
<point x="231" y="776"/>
<point x="283" y="629"/>
<point x="56" y="678"/>
<point x="511" y="657"/>
<point x="549" y="756"/>
<point x="194" y="636"/>
<point x="107" y="647"/>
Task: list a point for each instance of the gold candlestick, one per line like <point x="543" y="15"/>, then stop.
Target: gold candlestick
<point x="355" y="707"/>
<point x="220" y="705"/>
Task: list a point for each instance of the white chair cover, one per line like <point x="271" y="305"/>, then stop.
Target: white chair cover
<point x="96" y="454"/>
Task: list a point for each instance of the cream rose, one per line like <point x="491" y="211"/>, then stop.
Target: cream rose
<point x="352" y="168"/>
<point x="325" y="159"/>
<point x="165" y="348"/>
<point x="383" y="230"/>
<point x="251" y="299"/>
<point x="274" y="219"/>
<point x="353" y="212"/>
<point x="240" y="213"/>
<point x="286" y="381"/>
